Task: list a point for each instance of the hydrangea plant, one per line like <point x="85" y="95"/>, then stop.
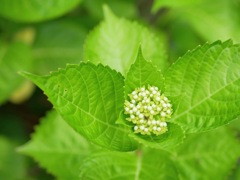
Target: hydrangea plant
<point x="139" y="107"/>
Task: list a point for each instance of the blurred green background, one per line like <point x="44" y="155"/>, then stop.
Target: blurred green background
<point x="40" y="37"/>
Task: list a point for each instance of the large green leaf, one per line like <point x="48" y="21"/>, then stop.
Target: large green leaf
<point x="13" y="58"/>
<point x="149" y="165"/>
<point x="115" y="43"/>
<point x="208" y="79"/>
<point x="35" y="10"/>
<point x="57" y="147"/>
<point x="89" y="98"/>
<point x="12" y="165"/>
<point x="211" y="155"/>
<point x="58" y="43"/>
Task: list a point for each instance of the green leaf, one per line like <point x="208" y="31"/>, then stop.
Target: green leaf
<point x="90" y="99"/>
<point x="115" y="42"/>
<point x="208" y="80"/>
<point x="211" y="155"/>
<point x="142" y="73"/>
<point x="167" y="141"/>
<point x="12" y="165"/>
<point x="149" y="165"/>
<point x="13" y="58"/>
<point x="35" y="10"/>
<point x="58" y="43"/>
<point x="57" y="147"/>
<point x="220" y="16"/>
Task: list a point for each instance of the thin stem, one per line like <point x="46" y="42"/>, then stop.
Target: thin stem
<point x="139" y="163"/>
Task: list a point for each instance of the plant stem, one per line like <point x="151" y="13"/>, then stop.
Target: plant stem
<point x="139" y="163"/>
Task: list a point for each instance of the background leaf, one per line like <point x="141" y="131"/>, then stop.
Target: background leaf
<point x="94" y="7"/>
<point x="13" y="58"/>
<point x="207" y="156"/>
<point x="12" y="165"/>
<point x="140" y="166"/>
<point x="208" y="80"/>
<point x="57" y="147"/>
<point x="58" y="43"/>
<point x="90" y="99"/>
<point x="115" y="43"/>
<point x="35" y="10"/>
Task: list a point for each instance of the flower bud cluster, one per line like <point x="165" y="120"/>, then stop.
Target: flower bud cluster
<point x="148" y="109"/>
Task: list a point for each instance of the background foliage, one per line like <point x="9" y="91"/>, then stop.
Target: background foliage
<point x="42" y="37"/>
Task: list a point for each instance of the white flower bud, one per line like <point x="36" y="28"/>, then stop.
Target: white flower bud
<point x="141" y="115"/>
<point x="141" y="121"/>
<point x="135" y="96"/>
<point x="159" y="129"/>
<point x="142" y="127"/>
<point x="163" y="114"/>
<point x="135" y="128"/>
<point x="149" y="108"/>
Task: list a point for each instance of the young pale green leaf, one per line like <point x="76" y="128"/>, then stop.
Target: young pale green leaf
<point x="90" y="99"/>
<point x="57" y="147"/>
<point x="35" y="10"/>
<point x="140" y="165"/>
<point x="142" y="73"/>
<point x="115" y="42"/>
<point x="208" y="80"/>
<point x="211" y="155"/>
<point x="13" y="58"/>
<point x="12" y="165"/>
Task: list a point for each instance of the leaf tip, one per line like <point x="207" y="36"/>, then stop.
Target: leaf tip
<point x="107" y="12"/>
